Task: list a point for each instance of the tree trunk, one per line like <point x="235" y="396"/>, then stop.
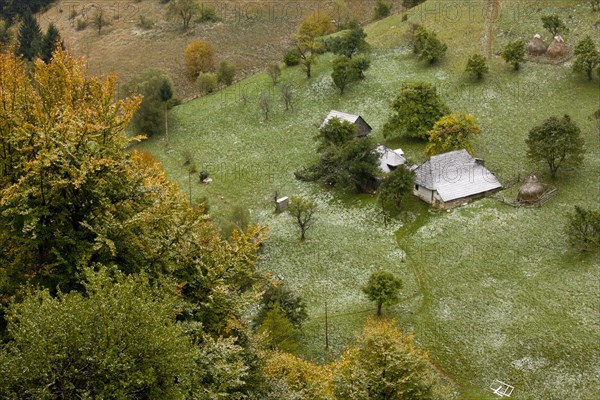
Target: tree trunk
<point x="166" y="123"/>
<point x="379" y="305"/>
<point x="308" y="70"/>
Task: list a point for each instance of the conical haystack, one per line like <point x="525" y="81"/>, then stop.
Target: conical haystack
<point x="536" y="47"/>
<point x="557" y="49"/>
<point x="531" y="191"/>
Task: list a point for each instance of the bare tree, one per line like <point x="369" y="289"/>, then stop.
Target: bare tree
<point x="287" y="95"/>
<point x="274" y="73"/>
<point x="264" y="102"/>
<point x="99" y="20"/>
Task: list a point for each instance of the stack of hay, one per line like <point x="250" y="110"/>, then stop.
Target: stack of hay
<point x="536" y="47"/>
<point x="557" y="49"/>
<point x="531" y="191"/>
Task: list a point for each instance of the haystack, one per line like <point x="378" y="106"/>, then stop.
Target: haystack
<point x="531" y="191"/>
<point x="557" y="49"/>
<point x="536" y="47"/>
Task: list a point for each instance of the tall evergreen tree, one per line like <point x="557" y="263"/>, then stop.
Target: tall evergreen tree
<point x="50" y="42"/>
<point x="30" y="37"/>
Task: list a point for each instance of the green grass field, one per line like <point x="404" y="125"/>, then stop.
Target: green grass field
<point x="491" y="291"/>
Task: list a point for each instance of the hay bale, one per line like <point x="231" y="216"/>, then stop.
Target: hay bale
<point x="531" y="191"/>
<point x="557" y="49"/>
<point x="536" y="47"/>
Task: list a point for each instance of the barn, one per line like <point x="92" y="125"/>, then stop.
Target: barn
<point x="452" y="179"/>
<point x="363" y="128"/>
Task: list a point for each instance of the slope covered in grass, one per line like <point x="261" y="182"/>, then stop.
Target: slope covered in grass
<point x="493" y="292"/>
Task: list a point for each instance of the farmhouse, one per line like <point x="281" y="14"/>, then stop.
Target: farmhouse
<point x="363" y="128"/>
<point x="390" y="159"/>
<point x="452" y="179"/>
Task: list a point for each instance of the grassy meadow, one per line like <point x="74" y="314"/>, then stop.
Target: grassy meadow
<point x="491" y="291"/>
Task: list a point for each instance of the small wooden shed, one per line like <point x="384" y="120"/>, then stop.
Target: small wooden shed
<point x="363" y="127"/>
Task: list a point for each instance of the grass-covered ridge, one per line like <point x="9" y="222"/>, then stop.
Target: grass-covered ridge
<point x="491" y="291"/>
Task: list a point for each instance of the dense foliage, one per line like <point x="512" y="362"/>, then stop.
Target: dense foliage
<point x="383" y="288"/>
<point x="583" y="229"/>
<point x="557" y="142"/>
<point x="452" y="132"/>
<point x="417" y="107"/>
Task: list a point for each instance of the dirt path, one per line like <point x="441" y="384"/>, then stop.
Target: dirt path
<point x="493" y="12"/>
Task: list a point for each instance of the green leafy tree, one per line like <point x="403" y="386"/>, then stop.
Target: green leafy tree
<point x="292" y="305"/>
<point x="183" y="10"/>
<point x="225" y="73"/>
<point x="303" y="212"/>
<point x="385" y="363"/>
<point x="343" y="73"/>
<point x="382" y="9"/>
<point x="291" y="57"/>
<point x="358" y="166"/>
<point x="29" y="37"/>
<point x="554" y="25"/>
<point x="361" y="63"/>
<point x="427" y="45"/>
<point x="514" y="54"/>
<point x="349" y="43"/>
<point x="336" y="133"/>
<point x="477" y="66"/>
<point x="557" y="142"/>
<point x="452" y="132"/>
<point x="583" y="229"/>
<point x="5" y="33"/>
<point x="280" y="331"/>
<point x="383" y="288"/>
<point x="396" y="185"/>
<point x="157" y="91"/>
<point x="416" y="109"/>
<point x="119" y="340"/>
<point x="595" y="4"/>
<point x="588" y="57"/>
<point x="207" y="82"/>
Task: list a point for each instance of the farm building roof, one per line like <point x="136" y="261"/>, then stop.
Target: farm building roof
<point x="344" y="117"/>
<point x="455" y="175"/>
<point x="390" y="158"/>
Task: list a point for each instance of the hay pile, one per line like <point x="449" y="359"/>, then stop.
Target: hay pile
<point x="536" y="47"/>
<point x="531" y="191"/>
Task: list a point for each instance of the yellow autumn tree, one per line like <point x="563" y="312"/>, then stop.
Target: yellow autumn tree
<point x="385" y="363"/>
<point x="309" y="47"/>
<point x="452" y="132"/>
<point x="199" y="57"/>
<point x="294" y="377"/>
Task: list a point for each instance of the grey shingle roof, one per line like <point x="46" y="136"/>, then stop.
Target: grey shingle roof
<point x="455" y="175"/>
<point x="389" y="158"/>
<point x="342" y="116"/>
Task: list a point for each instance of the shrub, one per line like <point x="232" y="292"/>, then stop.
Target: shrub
<point x="382" y="9"/>
<point x="225" y="74"/>
<point x="477" y="66"/>
<point x="207" y="14"/>
<point x="583" y="229"/>
<point x="207" y="82"/>
<point x="199" y="57"/>
<point x="144" y="22"/>
<point x="292" y="57"/>
<point x="81" y="24"/>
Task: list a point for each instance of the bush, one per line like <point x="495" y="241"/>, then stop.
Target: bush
<point x="411" y="3"/>
<point x="199" y="57"/>
<point x="81" y="24"/>
<point x="145" y="23"/>
<point x="207" y="82"/>
<point x="292" y="57"/>
<point x="207" y="14"/>
<point x="382" y="9"/>
<point x="583" y="229"/>
<point x="225" y="73"/>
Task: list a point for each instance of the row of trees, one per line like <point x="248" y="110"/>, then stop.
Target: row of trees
<point x="31" y="43"/>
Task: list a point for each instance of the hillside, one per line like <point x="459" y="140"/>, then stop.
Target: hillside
<point x="493" y="292"/>
<point x="249" y="34"/>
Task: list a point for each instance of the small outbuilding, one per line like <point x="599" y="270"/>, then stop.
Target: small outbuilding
<point x="557" y="49"/>
<point x="390" y="159"/>
<point x="536" y="47"/>
<point x="363" y="127"/>
<point x="531" y="191"/>
<point x="452" y="179"/>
